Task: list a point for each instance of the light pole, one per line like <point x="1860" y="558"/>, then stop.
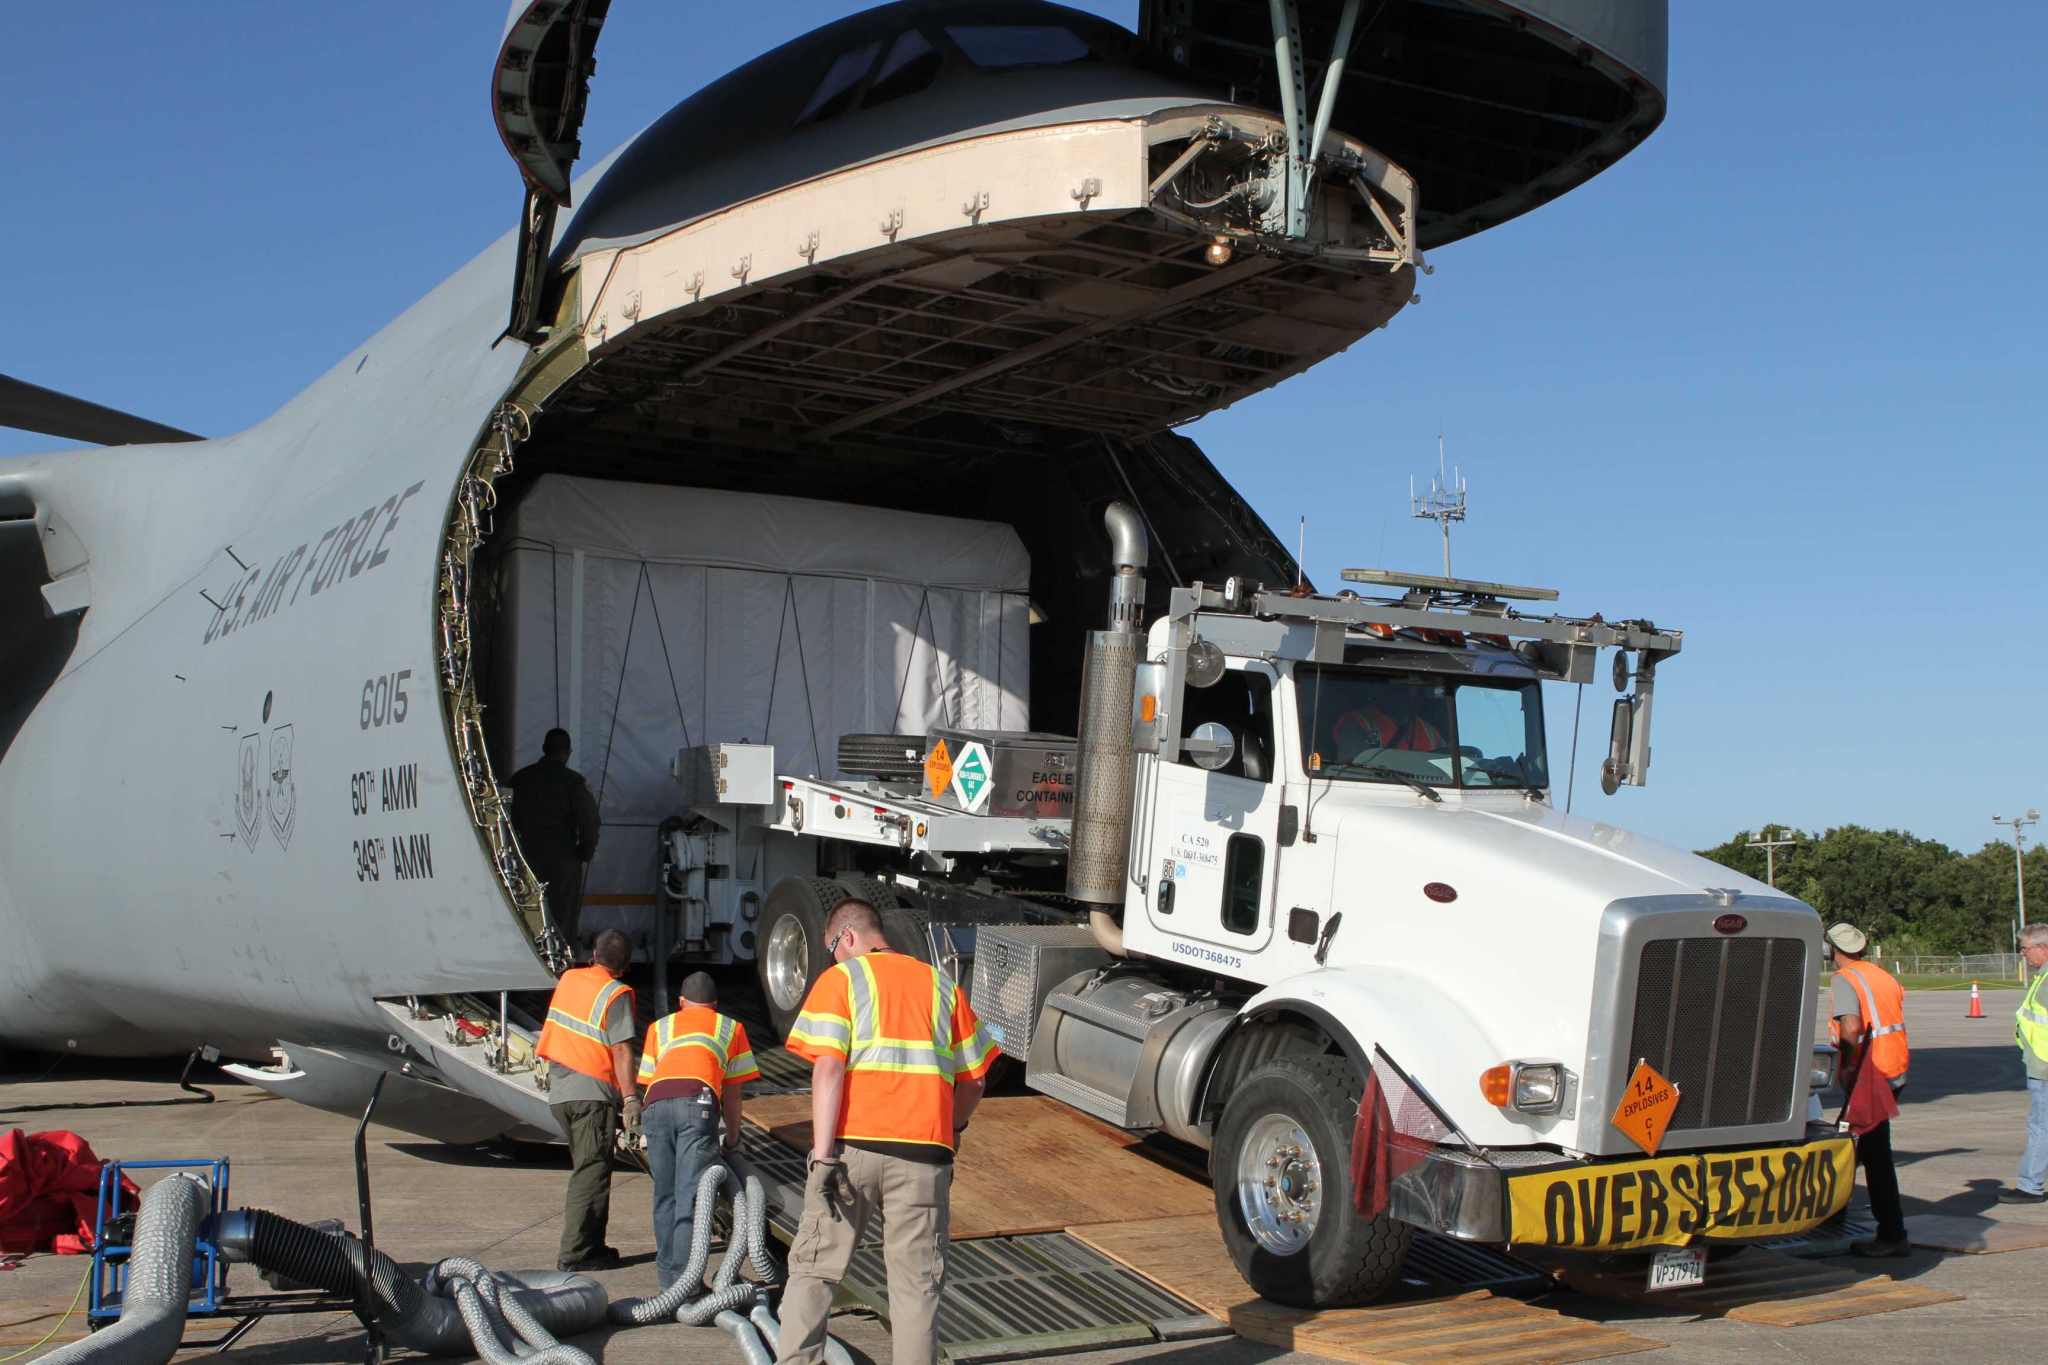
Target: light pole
<point x="2019" y="824"/>
<point x="1770" y="847"/>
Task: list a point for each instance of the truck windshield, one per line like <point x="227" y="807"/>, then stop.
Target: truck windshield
<point x="1376" y="727"/>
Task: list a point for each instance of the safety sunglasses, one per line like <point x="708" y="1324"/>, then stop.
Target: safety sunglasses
<point x="832" y="946"/>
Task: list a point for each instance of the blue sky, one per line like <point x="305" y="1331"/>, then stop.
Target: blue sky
<point x="1767" y="380"/>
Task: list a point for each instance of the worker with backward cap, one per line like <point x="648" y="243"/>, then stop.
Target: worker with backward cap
<point x="1869" y="1024"/>
<point x="588" y="1044"/>
<point x="897" y="1059"/>
<point x="692" y="1067"/>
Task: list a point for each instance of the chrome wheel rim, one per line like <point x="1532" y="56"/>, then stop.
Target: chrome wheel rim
<point x="788" y="960"/>
<point x="1279" y="1185"/>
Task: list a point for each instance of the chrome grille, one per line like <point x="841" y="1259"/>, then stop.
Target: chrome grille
<point x="1719" y="1017"/>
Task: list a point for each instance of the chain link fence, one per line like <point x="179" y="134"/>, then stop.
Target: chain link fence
<point x="1962" y="966"/>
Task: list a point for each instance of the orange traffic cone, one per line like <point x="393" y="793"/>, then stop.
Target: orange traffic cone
<point x="1976" y="1003"/>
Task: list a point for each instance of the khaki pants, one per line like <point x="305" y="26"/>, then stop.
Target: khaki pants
<point x="911" y="1198"/>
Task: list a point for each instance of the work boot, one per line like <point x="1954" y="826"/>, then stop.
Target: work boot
<point x="1882" y="1249"/>
<point x="2018" y="1196"/>
<point x="604" y="1258"/>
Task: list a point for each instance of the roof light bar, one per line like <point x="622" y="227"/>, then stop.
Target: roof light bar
<point x="1471" y="587"/>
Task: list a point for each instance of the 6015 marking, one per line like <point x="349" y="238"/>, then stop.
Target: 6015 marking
<point x="384" y="700"/>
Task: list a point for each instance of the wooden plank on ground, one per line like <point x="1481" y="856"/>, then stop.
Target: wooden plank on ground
<point x="1975" y="1236"/>
<point x="1185" y="1255"/>
<point x="1780" y="1291"/>
<point x="1028" y="1165"/>
<point x="1878" y="1294"/>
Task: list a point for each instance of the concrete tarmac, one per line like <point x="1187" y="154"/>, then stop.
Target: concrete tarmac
<point x="1958" y="1139"/>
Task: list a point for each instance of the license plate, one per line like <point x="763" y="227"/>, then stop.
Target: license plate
<point x="1678" y="1269"/>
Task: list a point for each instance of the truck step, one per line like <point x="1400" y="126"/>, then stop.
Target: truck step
<point x="1111" y="1109"/>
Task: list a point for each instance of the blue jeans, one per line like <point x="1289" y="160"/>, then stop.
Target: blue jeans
<point x="2034" y="1161"/>
<point x="682" y="1139"/>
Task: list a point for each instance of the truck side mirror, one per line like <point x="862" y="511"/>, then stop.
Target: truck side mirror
<point x="1620" y="736"/>
<point x="1205" y="666"/>
<point x="1211" y="746"/>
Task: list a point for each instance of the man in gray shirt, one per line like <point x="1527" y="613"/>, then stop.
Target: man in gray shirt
<point x="588" y="1042"/>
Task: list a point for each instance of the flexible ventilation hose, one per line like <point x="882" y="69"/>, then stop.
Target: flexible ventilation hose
<point x="493" y="1317"/>
<point x="687" y="1301"/>
<point x="535" y="1305"/>
<point x="159" y="1280"/>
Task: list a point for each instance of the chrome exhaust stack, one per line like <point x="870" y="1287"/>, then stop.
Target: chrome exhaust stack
<point x="1098" y="858"/>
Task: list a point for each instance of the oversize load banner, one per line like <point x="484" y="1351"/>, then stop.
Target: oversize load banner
<point x="1667" y="1201"/>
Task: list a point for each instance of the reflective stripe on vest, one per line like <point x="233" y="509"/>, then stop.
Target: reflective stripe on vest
<point x="2031" y="1028"/>
<point x="695" y="1043"/>
<point x="931" y="1055"/>
<point x="574" y="1034"/>
<point x="901" y="1065"/>
<point x="1888" y="1045"/>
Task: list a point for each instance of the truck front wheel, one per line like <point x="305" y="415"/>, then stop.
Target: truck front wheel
<point x="1281" y="1166"/>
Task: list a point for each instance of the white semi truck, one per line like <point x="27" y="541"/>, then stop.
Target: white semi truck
<point x="1299" y="895"/>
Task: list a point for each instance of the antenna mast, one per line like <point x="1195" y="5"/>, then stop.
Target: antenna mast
<point x="1444" y="503"/>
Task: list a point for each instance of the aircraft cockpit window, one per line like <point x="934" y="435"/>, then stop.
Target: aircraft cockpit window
<point x="912" y="64"/>
<point x="836" y="92"/>
<point x="997" y="47"/>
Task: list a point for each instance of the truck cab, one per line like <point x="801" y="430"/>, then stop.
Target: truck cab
<point x="1422" y="994"/>
<point x="1323" y="917"/>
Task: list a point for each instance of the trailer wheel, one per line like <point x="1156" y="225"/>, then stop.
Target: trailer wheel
<point x="791" y="954"/>
<point x="1282" y="1171"/>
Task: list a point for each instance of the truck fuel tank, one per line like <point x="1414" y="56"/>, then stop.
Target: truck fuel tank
<point x="1128" y="1048"/>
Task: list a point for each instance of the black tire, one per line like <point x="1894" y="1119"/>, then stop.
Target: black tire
<point x="1347" y="1258"/>
<point x="903" y="925"/>
<point x="907" y="928"/>
<point x="875" y="891"/>
<point x="788" y="960"/>
<point x="884" y="756"/>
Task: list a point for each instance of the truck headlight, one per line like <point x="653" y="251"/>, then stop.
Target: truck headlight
<point x="1539" y="1087"/>
<point x="1530" y="1087"/>
<point x="1823" y="1074"/>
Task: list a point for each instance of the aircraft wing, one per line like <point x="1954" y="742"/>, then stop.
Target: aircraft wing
<point x="31" y="407"/>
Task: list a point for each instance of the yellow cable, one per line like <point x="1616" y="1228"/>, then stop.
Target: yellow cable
<point x="84" y="1280"/>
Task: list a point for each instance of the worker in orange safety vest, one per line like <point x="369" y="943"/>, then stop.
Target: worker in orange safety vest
<point x="897" y="1059"/>
<point x="692" y="1068"/>
<point x="588" y="1044"/>
<point x="1869" y="1020"/>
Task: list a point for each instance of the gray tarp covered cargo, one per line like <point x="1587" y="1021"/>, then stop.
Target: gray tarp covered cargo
<point x="644" y="618"/>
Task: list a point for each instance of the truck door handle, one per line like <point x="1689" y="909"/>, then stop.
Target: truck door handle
<point x="1166" y="885"/>
<point x="1329" y="932"/>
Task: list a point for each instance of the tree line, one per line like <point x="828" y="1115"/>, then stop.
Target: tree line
<point x="1911" y="895"/>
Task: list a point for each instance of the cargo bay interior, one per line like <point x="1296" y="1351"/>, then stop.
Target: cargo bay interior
<point x="651" y="595"/>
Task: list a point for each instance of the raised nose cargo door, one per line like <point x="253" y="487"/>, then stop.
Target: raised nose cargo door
<point x="539" y="85"/>
<point x="1495" y="106"/>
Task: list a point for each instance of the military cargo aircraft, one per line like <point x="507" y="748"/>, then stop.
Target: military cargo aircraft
<point x="959" y="258"/>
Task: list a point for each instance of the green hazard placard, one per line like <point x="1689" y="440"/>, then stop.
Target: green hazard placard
<point x="971" y="782"/>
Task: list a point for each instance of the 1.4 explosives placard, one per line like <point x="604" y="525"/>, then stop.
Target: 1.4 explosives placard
<point x="1668" y="1201"/>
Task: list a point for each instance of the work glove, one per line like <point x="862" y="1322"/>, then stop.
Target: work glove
<point x="632" y="1116"/>
<point x="835" y="1185"/>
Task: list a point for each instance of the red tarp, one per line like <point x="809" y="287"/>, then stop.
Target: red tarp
<point x="1870" y="1099"/>
<point x="49" y="1189"/>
